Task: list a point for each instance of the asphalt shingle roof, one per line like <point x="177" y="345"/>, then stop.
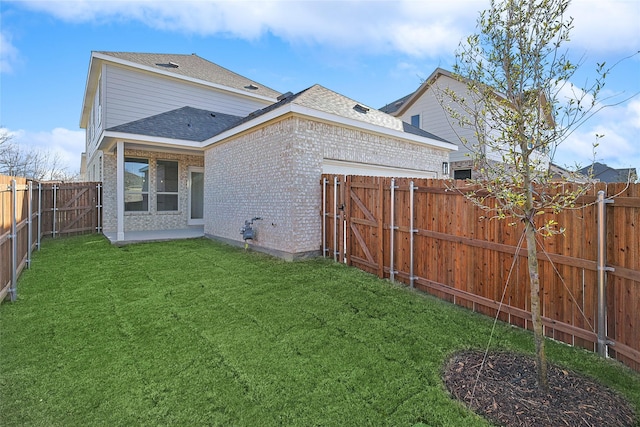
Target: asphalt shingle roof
<point x="319" y="98"/>
<point x="195" y="67"/>
<point x="606" y="173"/>
<point x="394" y="106"/>
<point x="186" y="123"/>
<point x="193" y="124"/>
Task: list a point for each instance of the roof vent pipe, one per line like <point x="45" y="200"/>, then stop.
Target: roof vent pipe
<point x="284" y="96"/>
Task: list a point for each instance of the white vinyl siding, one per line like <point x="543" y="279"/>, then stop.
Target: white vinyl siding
<point x="435" y="121"/>
<point x="94" y="127"/>
<point x="132" y="95"/>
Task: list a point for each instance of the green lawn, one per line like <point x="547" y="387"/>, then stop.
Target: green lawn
<point x="194" y="332"/>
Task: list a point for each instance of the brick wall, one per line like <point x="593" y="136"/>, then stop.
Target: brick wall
<point x="151" y="220"/>
<point x="274" y="173"/>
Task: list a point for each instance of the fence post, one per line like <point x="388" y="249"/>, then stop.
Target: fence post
<point x="14" y="240"/>
<point x="392" y="228"/>
<point x="30" y="225"/>
<point x="39" y="213"/>
<point x="55" y="196"/>
<point x="335" y="218"/>
<point x="602" y="277"/>
<point x="324" y="217"/>
<point x="99" y="206"/>
<point x="412" y="231"/>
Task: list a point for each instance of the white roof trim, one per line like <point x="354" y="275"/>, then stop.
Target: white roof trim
<point x="179" y="76"/>
<point x="310" y="112"/>
<point x="108" y="137"/>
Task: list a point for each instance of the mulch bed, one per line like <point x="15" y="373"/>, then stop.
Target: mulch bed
<point x="507" y="394"/>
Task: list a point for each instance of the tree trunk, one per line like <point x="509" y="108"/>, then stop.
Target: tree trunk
<point x="536" y="315"/>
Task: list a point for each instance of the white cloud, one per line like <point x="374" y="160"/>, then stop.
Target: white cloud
<point x="410" y="27"/>
<point x="66" y="144"/>
<point x="617" y="148"/>
<point x="634" y="114"/>
<point x="606" y="25"/>
<point x="9" y="54"/>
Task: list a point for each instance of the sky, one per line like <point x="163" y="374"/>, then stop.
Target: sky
<point x="371" y="51"/>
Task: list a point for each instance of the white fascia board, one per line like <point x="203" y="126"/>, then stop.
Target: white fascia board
<point x="146" y="140"/>
<point x="89" y="88"/>
<point x="181" y="77"/>
<point x="315" y="114"/>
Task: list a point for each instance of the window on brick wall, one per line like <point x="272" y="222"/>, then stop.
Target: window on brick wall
<point x="167" y="185"/>
<point x="136" y="185"/>
<point x="462" y="174"/>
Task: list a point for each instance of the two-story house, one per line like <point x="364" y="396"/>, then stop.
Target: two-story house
<point x="423" y="109"/>
<point x="182" y="144"/>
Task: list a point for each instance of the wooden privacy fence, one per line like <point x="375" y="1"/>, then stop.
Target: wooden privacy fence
<point x="425" y="233"/>
<point x="30" y="210"/>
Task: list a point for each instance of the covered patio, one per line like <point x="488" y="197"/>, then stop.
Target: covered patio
<point x="156" y="235"/>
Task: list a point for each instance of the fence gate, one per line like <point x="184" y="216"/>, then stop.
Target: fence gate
<point x="425" y="233"/>
<point x="30" y="210"/>
<point x="364" y="223"/>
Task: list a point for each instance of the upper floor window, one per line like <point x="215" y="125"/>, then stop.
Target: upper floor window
<point x="136" y="185"/>
<point x="98" y="103"/>
<point x="415" y="120"/>
<point x="167" y="185"/>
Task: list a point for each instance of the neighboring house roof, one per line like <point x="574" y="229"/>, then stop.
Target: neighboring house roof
<point x="195" y="67"/>
<point x="604" y="173"/>
<point x="394" y="106"/>
<point x="563" y="174"/>
<point x="400" y="106"/>
<point x="186" y="123"/>
<point x="319" y="98"/>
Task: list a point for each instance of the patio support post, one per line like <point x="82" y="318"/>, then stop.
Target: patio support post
<point x="120" y="190"/>
<point x="602" y="276"/>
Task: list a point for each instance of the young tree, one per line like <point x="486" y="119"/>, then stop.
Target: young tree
<point x="516" y="77"/>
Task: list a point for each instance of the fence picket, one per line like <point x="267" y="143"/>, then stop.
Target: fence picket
<point x="464" y="259"/>
<point x="57" y="208"/>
